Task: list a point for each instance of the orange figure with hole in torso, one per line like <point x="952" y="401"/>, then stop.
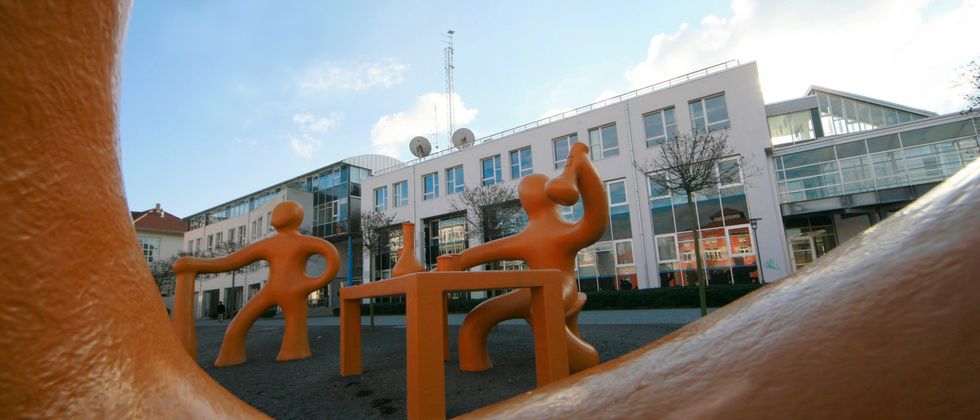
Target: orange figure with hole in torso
<point x="548" y="242"/>
<point x="287" y="253"/>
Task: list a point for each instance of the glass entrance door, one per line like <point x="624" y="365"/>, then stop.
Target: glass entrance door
<point x="804" y="251"/>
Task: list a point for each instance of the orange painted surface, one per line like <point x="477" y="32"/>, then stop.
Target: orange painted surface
<point x="84" y="332"/>
<point x="288" y="286"/>
<point x="887" y="325"/>
<point x="548" y="242"/>
<point x="425" y="323"/>
<point x="407" y="261"/>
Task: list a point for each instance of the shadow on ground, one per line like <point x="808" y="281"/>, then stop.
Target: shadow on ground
<point x="313" y="388"/>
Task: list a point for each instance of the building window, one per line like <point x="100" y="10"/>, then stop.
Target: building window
<point x="491" y="170"/>
<point x="218" y="239"/>
<point x="430" y="186"/>
<point x="400" y="194"/>
<point x="520" y="163"/>
<point x="381" y="199"/>
<point x="231" y="235"/>
<point x="660" y="126"/>
<point x="791" y="127"/>
<point x="709" y="114"/>
<point x="562" y="146"/>
<point x="454" y="180"/>
<point x="190" y="247"/>
<point x="197" y="246"/>
<point x="603" y="142"/>
<point x="150" y="247"/>
<point x="443" y="236"/>
<point x="241" y="234"/>
<point x="210" y="243"/>
<point x="721" y="215"/>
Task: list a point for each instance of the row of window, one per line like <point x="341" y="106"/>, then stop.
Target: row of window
<point x="708" y="115"/>
<point x="260" y="228"/>
<point x="923" y="155"/>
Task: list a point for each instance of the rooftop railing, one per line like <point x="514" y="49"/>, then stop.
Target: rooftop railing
<point x="571" y="113"/>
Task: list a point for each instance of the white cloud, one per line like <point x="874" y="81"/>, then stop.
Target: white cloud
<point x="391" y="134"/>
<point x="895" y="50"/>
<point x="354" y="77"/>
<point x="306" y="142"/>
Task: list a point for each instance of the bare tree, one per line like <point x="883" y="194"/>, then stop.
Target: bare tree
<point x="163" y="273"/>
<point x="971" y="77"/>
<point x="374" y="233"/>
<point x="688" y="165"/>
<point x="374" y="237"/>
<point x="491" y="211"/>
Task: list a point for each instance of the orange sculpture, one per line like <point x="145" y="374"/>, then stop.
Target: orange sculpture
<point x="407" y="261"/>
<point x="288" y="286"/>
<point x="884" y="326"/>
<point x="548" y="241"/>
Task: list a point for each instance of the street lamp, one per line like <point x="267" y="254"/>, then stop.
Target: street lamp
<point x="758" y="252"/>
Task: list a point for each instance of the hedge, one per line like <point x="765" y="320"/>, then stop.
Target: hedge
<point x="677" y="297"/>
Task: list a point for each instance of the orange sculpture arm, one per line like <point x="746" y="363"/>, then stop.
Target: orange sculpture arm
<point x="500" y="249"/>
<point x="580" y="173"/>
<point x="329" y="252"/>
<point x="234" y="261"/>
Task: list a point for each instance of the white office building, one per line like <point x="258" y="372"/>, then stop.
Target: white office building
<point x="649" y="240"/>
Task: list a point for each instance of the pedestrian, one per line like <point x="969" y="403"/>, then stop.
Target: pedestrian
<point x="221" y="311"/>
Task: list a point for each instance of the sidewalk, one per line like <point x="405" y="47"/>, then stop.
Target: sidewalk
<point x="615" y="317"/>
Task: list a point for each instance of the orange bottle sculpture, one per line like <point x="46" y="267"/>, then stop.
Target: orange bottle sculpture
<point x="548" y="242"/>
<point x="407" y="262"/>
<point x="288" y="286"/>
<point x="884" y="326"/>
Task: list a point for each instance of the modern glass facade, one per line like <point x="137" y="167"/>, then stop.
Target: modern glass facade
<point x="911" y="157"/>
<point x="842" y="115"/>
<point x="792" y="127"/>
<point x="722" y="217"/>
<point x="443" y="236"/>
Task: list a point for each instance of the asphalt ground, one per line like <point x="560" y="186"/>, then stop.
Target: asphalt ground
<point x="313" y="388"/>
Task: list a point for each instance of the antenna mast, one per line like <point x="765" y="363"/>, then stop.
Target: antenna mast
<point x="450" y="123"/>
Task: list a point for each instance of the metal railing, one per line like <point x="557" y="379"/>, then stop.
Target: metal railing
<point x="577" y="111"/>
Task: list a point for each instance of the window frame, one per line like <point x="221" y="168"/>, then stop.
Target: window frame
<point x="704" y="114"/>
<point x="602" y="152"/>
<point x="517" y="169"/>
<point x="670" y="131"/>
<point x="383" y="205"/>
<point x="434" y="183"/>
<point x="399" y="200"/>
<point x="458" y="182"/>
<point x="498" y="175"/>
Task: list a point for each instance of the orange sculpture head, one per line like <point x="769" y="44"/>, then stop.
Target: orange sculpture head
<point x="287" y="216"/>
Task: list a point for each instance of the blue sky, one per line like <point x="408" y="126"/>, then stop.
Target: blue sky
<point x="222" y="98"/>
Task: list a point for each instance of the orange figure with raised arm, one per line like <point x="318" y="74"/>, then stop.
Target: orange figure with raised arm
<point x="287" y="253"/>
<point x="548" y="242"/>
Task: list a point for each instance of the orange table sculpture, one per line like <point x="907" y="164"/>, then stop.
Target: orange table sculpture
<point x="884" y="326"/>
<point x="425" y="323"/>
<point x="548" y="242"/>
<point x="288" y="286"/>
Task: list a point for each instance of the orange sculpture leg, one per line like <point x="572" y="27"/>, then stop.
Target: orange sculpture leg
<point x="84" y="332"/>
<point x="288" y="286"/>
<point x="548" y="241"/>
<point x="884" y="326"/>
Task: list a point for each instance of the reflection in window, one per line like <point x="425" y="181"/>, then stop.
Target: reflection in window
<point x="562" y="146"/>
<point x="430" y="186"/>
<point x="603" y="142"/>
<point x="709" y="114"/>
<point x="454" y="180"/>
<point x="491" y="170"/>
<point x="520" y="163"/>
<point x="660" y="126"/>
<point x="401" y="194"/>
<point x="791" y="128"/>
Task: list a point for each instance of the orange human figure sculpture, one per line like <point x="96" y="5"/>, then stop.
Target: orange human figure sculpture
<point x="548" y="241"/>
<point x="287" y="253"/>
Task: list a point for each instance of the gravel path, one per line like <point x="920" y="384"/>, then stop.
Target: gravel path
<point x="313" y="388"/>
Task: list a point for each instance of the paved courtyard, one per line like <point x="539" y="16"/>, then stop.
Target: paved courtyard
<point x="313" y="388"/>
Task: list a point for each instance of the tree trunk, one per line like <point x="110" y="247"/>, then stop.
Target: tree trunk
<point x="697" y="255"/>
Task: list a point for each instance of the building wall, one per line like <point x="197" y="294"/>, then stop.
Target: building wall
<point x="748" y="135"/>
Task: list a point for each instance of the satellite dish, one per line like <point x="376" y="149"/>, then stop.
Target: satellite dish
<point x="463" y="138"/>
<point x="420" y="146"/>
